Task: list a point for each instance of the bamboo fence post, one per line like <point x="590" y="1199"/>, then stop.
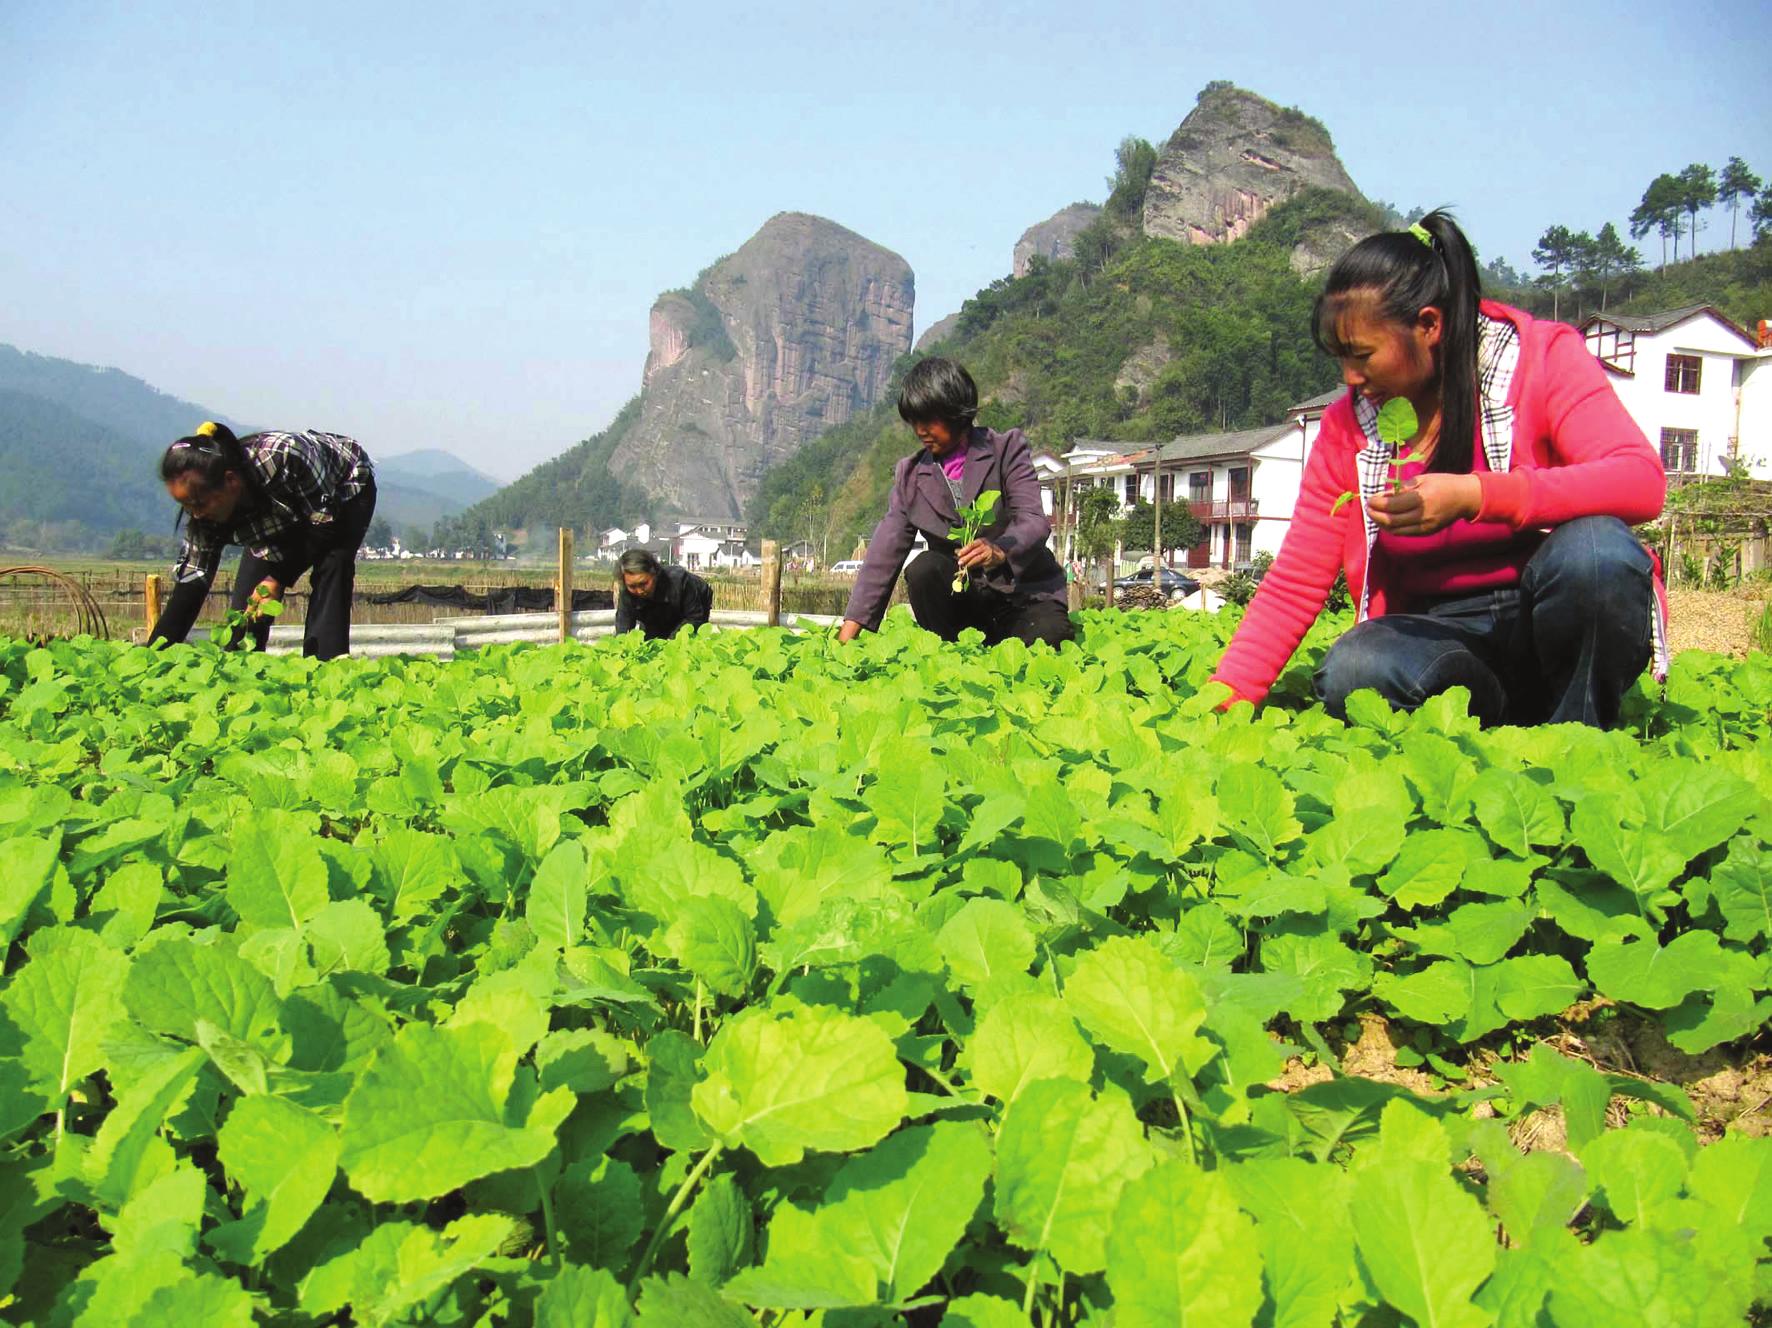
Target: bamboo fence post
<point x="151" y="602"/>
<point x="772" y="582"/>
<point x="563" y="585"/>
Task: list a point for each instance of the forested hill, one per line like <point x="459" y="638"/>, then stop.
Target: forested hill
<point x="78" y="446"/>
<point x="1134" y="338"/>
<point x="1738" y="282"/>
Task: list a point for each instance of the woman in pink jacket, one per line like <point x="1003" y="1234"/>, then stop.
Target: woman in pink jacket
<point x="1504" y="563"/>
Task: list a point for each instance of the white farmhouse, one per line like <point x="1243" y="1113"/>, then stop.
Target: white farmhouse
<point x="1696" y="384"/>
<point x="1241" y="485"/>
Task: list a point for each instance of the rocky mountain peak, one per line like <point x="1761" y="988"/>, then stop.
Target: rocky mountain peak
<point x="1234" y="158"/>
<point x="1052" y="238"/>
<point x="793" y="333"/>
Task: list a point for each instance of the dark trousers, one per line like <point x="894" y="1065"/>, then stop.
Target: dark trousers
<point x="1564" y="647"/>
<point x="929" y="582"/>
<point x="329" y="556"/>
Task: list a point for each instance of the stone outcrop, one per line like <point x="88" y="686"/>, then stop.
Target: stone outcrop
<point x="1233" y="159"/>
<point x="794" y="333"/>
<point x="938" y="331"/>
<point x="1052" y="238"/>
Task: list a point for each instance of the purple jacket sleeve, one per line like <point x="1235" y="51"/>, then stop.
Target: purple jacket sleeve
<point x="885" y="558"/>
<point x="1029" y="527"/>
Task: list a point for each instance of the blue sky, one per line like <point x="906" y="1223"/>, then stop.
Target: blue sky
<point x="434" y="225"/>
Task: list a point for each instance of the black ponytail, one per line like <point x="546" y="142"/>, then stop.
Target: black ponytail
<point x="1406" y="271"/>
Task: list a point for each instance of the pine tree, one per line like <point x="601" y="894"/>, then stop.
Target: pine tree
<point x="1737" y="183"/>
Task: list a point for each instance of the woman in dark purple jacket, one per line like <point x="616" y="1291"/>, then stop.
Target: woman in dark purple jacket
<point x="1013" y="585"/>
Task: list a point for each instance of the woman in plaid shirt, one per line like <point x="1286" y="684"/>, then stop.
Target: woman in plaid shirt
<point x="294" y="502"/>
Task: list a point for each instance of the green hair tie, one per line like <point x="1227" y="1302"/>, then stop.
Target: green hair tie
<point x="1420" y="232"/>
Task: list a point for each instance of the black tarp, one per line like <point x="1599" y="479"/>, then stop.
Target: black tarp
<point x="501" y="599"/>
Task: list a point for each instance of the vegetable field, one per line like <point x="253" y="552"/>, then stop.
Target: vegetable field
<point x="749" y="979"/>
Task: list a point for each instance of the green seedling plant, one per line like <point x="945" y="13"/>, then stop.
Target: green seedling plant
<point x="238" y="620"/>
<point x="974" y="517"/>
<point x="1397" y="424"/>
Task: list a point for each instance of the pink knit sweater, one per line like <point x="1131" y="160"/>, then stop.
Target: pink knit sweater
<point x="1576" y="452"/>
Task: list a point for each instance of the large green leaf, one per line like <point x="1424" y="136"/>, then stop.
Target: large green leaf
<point x="177" y="982"/>
<point x="1425" y="1241"/>
<point x="578" y="1297"/>
<point x="436" y="1109"/>
<point x="715" y="940"/>
<point x="555" y="906"/>
<point x="30" y="863"/>
<point x="1516" y="812"/>
<point x="811" y="1078"/>
<point x="276" y="877"/>
<point x="64" y="1002"/>
<point x="1023" y="1038"/>
<point x="400" y="1266"/>
<point x="1651" y="1279"/>
<point x="1181" y="1253"/>
<point x="1734" y="1176"/>
<point x="1137" y="1001"/>
<point x="1637" y="1170"/>
<point x="284" y="1158"/>
<point x="1307" y="1245"/>
<point x="1742" y="886"/>
<point x="893" y="1213"/>
<point x="1638" y="859"/>
<point x="1263" y="821"/>
<point x="985" y="939"/>
<point x="722" y="1231"/>
<point x="1431" y="866"/>
<point x="1063" y="1157"/>
<point x="1656" y="976"/>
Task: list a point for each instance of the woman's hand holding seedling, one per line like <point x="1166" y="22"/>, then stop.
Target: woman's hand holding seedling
<point x="1426" y="504"/>
<point x="267" y="599"/>
<point x="979" y="555"/>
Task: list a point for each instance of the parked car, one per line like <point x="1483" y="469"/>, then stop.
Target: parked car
<point x="1174" y="584"/>
<point x="848" y="567"/>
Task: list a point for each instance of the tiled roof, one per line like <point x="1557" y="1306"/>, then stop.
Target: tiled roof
<point x="1321" y="401"/>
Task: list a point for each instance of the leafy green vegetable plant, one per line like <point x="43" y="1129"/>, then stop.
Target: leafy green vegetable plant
<point x="236" y="621"/>
<point x="974" y="517"/>
<point x="1397" y="424"/>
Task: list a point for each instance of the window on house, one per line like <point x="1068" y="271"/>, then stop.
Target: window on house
<point x="1683" y="372"/>
<point x="1239" y="484"/>
<point x="1131" y="487"/>
<point x="1167" y="487"/>
<point x="1679" y="451"/>
<point x="1245" y="541"/>
<point x="1199" y="486"/>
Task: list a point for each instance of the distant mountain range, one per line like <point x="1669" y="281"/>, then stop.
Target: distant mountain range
<point x="79" y="445"/>
<point x="420" y="488"/>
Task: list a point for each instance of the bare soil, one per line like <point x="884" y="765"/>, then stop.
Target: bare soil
<point x="1731" y="1091"/>
<point x="1715" y="620"/>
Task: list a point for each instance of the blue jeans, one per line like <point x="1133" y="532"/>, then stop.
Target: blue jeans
<point x="1562" y="647"/>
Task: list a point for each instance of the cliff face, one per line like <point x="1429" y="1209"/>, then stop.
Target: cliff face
<point x="794" y="333"/>
<point x="1235" y="157"/>
<point x="1052" y="238"/>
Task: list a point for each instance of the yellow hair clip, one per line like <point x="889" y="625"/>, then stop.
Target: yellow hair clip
<point x="206" y="429"/>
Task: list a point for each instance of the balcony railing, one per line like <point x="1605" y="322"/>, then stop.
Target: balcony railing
<point x="1225" y="509"/>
